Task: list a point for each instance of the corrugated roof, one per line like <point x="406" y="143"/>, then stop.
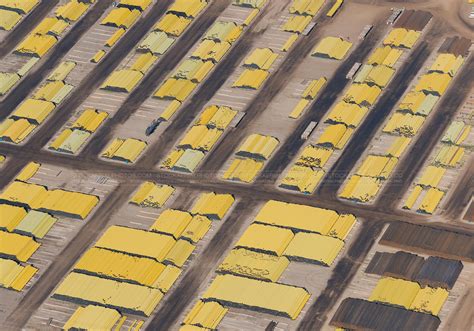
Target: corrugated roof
<point x="92" y="318"/>
<point x="297" y="217"/>
<point x="332" y="47"/>
<point x="121" y="18"/>
<point x="251" y="78"/>
<point x="302" y="179"/>
<point x="139" y="242"/>
<point x="109" y="293"/>
<point x="258" y="146"/>
<point x="173" y="25"/>
<point x="255" y="294"/>
<point x="313" y="247"/>
<point x="254" y="265"/>
<point x="213" y="205"/>
<point x="123" y="80"/>
<point x="265" y="239"/>
<point x="156" y="42"/>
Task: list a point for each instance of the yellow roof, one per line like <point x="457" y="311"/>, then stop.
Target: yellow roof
<point x="224" y="31"/>
<point x="335" y="7"/>
<point x="253" y="14"/>
<point x="172" y="222"/>
<point x="36" y="224"/>
<point x="197" y="228"/>
<point x="121" y="17"/>
<point x="431" y="177"/>
<point x="249" y="3"/>
<point x="377" y="166"/>
<point x="434" y="83"/>
<point x="447" y="63"/>
<point x="188" y="8"/>
<point x="265" y="238"/>
<point x="457" y="133"/>
<point x="404" y="124"/>
<point x="72" y="204"/>
<point x="449" y="156"/>
<point x="16" y="246"/>
<point x="306" y="7"/>
<point x="303" y="179"/>
<point x="206" y="314"/>
<point x="120" y="266"/>
<point x="156" y="42"/>
<point x="11" y="216"/>
<point x="98" y="56"/>
<point x="14" y="275"/>
<point x="7" y="81"/>
<point x="335" y="136"/>
<point x="385" y="55"/>
<point x="394" y="291"/>
<point x="34" y="110"/>
<point x="401" y="37"/>
<point x="413" y="197"/>
<point x="362" y="94"/>
<point x="431" y="201"/>
<point x="72" y="10"/>
<point x="314" y="156"/>
<point x="123" y="80"/>
<point x="36" y="45"/>
<point x="50" y="25"/>
<point x="127" y="150"/>
<point x="115" y="37"/>
<point x="211" y="50"/>
<point x="92" y="318"/>
<point x="261" y="58"/>
<point x="254" y="265"/>
<point x="299" y="108"/>
<point x="62" y="70"/>
<point x="136" y="4"/>
<point x="200" y="137"/>
<point x="251" y="78"/>
<point x="23" y="6"/>
<point x="180" y="252"/>
<point x="378" y="75"/>
<point x="144" y="62"/>
<point x="170" y="110"/>
<point x="139" y="242"/>
<point x="289" y="42"/>
<point x="152" y="195"/>
<point x="343" y="226"/>
<point x="54" y="91"/>
<point x="360" y="188"/>
<point x="349" y="114"/>
<point x="24" y="194"/>
<point x="313" y="88"/>
<point x="332" y="47"/>
<point x="258" y="146"/>
<point x="188" y="160"/>
<point x="173" y="88"/>
<point x="242" y="291"/>
<point x="430" y="300"/>
<point x="113" y="294"/>
<point x="217" y="117"/>
<point x="297" y="23"/>
<point x="297" y="217"/>
<point x="168" y="277"/>
<point x="8" y="19"/>
<point x="213" y="205"/>
<point x="398" y="146"/>
<point x="244" y="170"/>
<point x="314" y="247"/>
<point x="194" y="70"/>
<point x="90" y="120"/>
<point x="28" y="171"/>
<point x="172" y="24"/>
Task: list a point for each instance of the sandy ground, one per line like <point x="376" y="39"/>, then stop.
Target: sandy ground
<point x="455" y="16"/>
